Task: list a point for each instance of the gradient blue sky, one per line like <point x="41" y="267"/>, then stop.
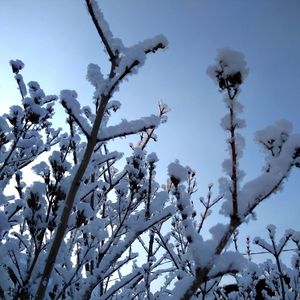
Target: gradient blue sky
<point x="56" y="40"/>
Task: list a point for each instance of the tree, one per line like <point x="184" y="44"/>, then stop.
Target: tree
<point x="74" y="233"/>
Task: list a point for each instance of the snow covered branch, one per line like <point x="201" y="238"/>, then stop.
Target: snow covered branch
<point x="95" y="225"/>
<point x="121" y="66"/>
<point x="128" y="127"/>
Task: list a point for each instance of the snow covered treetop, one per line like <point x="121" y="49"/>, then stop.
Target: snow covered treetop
<point x="230" y="69"/>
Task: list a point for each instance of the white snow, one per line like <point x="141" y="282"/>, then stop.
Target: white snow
<point x="4" y="225"/>
<point x="116" y="44"/>
<point x="17" y="65"/>
<point x="22" y="86"/>
<point x="94" y="75"/>
<point x="272" y="137"/>
<point x="152" y="158"/>
<point x="128" y="127"/>
<point x="70" y="102"/>
<point x="177" y="171"/>
<point x="230" y="62"/>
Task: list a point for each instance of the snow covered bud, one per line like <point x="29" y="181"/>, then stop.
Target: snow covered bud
<point x="94" y="75"/>
<point x="80" y="218"/>
<point x="163" y="111"/>
<point x="4" y="224"/>
<point x="4" y="131"/>
<point x="35" y="91"/>
<point x="58" y="164"/>
<point x="35" y="195"/>
<point x="256" y="240"/>
<point x="177" y="173"/>
<point x="296" y="237"/>
<point x="136" y="169"/>
<point x="16" y="65"/>
<point x="297" y="157"/>
<point x="152" y="159"/>
<point x="68" y="96"/>
<point x="289" y="233"/>
<point x="274" y="136"/>
<point x="272" y="230"/>
<point x="230" y="69"/>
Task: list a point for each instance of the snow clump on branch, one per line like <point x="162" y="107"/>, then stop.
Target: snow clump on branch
<point x="230" y="69"/>
<point x="17" y="65"/>
<point x="177" y="172"/>
<point x="274" y="136"/>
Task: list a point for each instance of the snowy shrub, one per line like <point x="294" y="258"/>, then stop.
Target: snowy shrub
<point x="82" y="230"/>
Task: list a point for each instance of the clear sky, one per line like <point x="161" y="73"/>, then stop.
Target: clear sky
<point x="56" y="40"/>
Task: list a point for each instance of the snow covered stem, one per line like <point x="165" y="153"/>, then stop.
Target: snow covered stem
<point x="234" y="178"/>
<point x="62" y="226"/>
<point x="113" y="81"/>
<point x="91" y="9"/>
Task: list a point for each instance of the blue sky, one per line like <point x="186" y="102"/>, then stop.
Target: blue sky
<point x="56" y="40"/>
